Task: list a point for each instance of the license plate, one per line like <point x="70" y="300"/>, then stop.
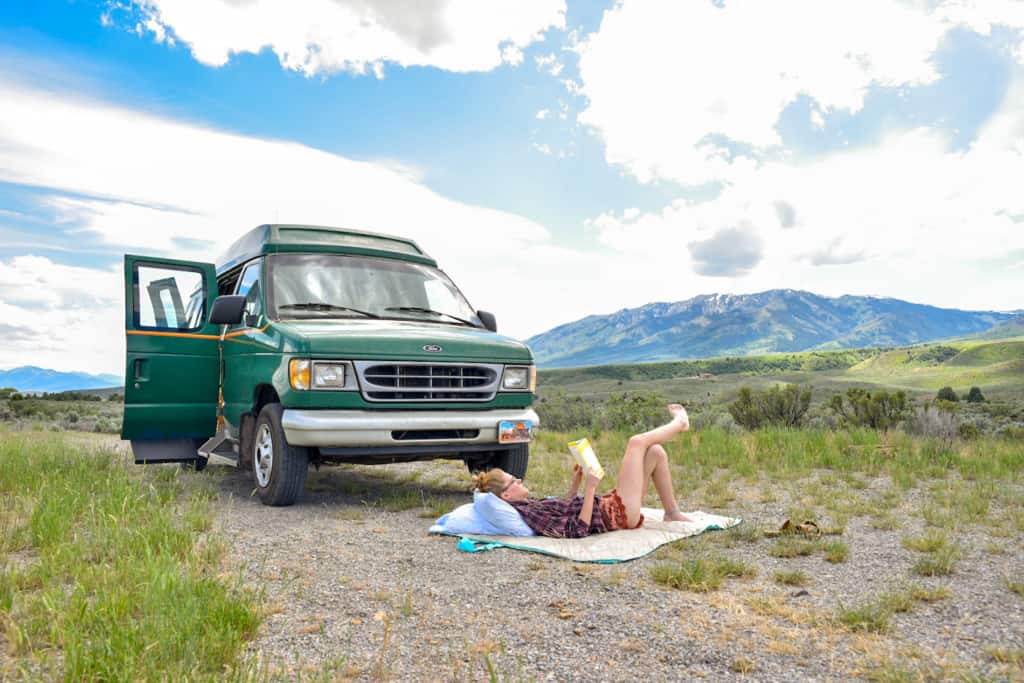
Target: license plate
<point x="514" y="431"/>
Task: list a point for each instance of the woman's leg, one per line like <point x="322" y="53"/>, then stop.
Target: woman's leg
<point x="641" y="462"/>
<point x="656" y="465"/>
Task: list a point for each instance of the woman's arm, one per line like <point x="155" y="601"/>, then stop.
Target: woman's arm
<point x="587" y="511"/>
<point x="577" y="477"/>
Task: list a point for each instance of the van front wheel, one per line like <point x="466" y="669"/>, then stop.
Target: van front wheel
<point x="279" y="469"/>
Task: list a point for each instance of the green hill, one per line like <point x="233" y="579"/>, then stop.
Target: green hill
<point x="995" y="366"/>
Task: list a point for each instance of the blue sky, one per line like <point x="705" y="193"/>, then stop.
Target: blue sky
<point x="559" y="158"/>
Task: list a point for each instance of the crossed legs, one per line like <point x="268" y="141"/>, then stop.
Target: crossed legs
<point x="646" y="459"/>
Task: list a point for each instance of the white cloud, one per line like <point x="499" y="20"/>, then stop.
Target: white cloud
<point x="549" y="64"/>
<point x="327" y="36"/>
<point x="543" y="114"/>
<point x="512" y="55"/>
<point x="663" y="77"/>
<point x="908" y="218"/>
<point x="61" y="317"/>
<point x="150" y="185"/>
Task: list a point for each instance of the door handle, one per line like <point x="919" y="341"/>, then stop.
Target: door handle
<point x="138" y="370"/>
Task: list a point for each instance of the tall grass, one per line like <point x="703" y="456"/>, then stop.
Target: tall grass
<point x="783" y="453"/>
<point x="110" y="578"/>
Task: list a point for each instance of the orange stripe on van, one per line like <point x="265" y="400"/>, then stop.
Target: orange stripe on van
<point x="188" y="335"/>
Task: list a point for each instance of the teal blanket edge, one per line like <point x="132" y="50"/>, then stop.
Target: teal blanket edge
<point x="469" y="543"/>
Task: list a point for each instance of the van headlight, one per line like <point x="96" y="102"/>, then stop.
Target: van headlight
<point x="324" y="375"/>
<point x="519" y="378"/>
<point x="328" y="375"/>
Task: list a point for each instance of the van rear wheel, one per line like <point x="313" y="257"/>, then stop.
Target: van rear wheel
<point x="279" y="469"/>
<point x="513" y="460"/>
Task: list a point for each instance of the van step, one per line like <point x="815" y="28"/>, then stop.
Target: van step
<point x="220" y="449"/>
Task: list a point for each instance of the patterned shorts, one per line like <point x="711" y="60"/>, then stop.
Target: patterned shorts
<point x="613" y="511"/>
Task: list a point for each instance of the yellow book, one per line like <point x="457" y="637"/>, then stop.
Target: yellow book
<point x="584" y="454"/>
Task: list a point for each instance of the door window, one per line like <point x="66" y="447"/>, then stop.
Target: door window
<point x="169" y="298"/>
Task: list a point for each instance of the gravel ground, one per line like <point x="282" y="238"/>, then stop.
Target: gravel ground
<point x="354" y="591"/>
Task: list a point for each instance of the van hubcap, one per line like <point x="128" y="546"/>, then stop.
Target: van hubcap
<point x="263" y="460"/>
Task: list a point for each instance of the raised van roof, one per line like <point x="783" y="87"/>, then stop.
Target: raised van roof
<point x="276" y="239"/>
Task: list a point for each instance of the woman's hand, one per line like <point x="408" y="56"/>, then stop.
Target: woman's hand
<point x="592" y="481"/>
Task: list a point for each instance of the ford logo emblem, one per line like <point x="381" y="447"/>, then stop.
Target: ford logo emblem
<point x="434" y="348"/>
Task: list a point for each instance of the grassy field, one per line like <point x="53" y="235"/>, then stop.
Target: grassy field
<point x="109" y="572"/>
<point x="113" y="572"/>
<point x="39" y="414"/>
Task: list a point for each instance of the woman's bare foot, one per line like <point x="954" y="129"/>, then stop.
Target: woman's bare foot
<point x="676" y="516"/>
<point x="678" y="413"/>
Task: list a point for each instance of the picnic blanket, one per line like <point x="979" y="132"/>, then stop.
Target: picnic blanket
<point x="608" y="548"/>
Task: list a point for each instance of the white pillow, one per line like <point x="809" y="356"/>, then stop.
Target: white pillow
<point x="500" y="515"/>
<point x="464" y="519"/>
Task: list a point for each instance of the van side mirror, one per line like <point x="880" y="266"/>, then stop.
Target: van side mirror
<point x="227" y="310"/>
<point x="488" y="320"/>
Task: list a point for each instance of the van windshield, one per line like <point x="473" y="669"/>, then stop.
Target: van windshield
<point x="315" y="286"/>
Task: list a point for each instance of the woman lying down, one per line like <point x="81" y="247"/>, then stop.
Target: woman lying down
<point x="576" y="516"/>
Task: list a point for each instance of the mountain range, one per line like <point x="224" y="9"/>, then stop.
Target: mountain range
<point x="775" y="321"/>
<point x="30" y="378"/>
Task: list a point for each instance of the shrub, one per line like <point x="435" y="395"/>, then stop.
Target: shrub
<point x="775" y="406"/>
<point x="975" y="396"/>
<point x="1012" y="431"/>
<point x="968" y="430"/>
<point x="634" y="412"/>
<point x="562" y="413"/>
<point x="105" y="425"/>
<point x="933" y="355"/>
<point x="726" y="423"/>
<point x="862" y="408"/>
<point x="947" y="394"/>
<point x="935" y="421"/>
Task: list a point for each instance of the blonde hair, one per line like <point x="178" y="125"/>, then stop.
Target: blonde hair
<point x="494" y="481"/>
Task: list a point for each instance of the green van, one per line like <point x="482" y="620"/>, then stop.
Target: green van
<point x="309" y="344"/>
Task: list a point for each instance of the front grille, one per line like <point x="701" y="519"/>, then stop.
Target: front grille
<point x="428" y="382"/>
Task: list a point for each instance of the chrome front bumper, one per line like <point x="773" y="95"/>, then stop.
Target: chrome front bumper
<point x="340" y="428"/>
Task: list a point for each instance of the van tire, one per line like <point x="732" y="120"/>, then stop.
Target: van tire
<point x="279" y="469"/>
<point x="513" y="460"/>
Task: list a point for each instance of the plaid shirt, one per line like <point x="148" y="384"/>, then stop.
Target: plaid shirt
<point x="560" y="517"/>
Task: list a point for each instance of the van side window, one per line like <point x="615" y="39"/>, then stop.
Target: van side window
<point x="249" y="287"/>
<point x="160" y="297"/>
